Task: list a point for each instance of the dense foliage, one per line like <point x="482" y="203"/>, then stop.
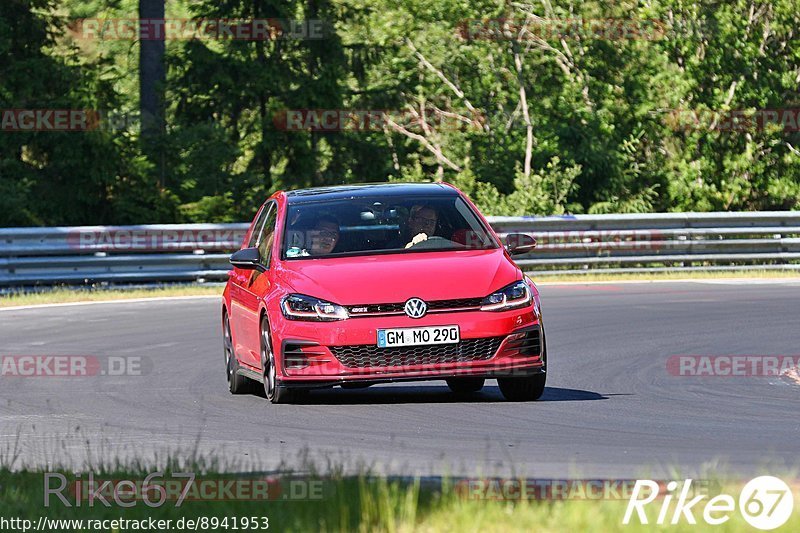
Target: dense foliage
<point x="537" y="117"/>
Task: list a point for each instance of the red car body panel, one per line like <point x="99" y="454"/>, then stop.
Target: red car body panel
<point x="375" y="279"/>
<point x="390" y="278"/>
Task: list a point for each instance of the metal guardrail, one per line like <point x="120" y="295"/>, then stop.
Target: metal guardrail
<point x="567" y="245"/>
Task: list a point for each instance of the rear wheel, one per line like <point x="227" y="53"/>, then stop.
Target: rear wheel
<point x="465" y="385"/>
<point x="237" y="384"/>
<point x="276" y="393"/>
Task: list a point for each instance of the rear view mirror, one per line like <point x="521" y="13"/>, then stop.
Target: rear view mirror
<point x="519" y="243"/>
<point x="248" y="259"/>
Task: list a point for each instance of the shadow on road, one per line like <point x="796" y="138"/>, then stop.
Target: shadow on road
<point x="556" y="394"/>
<point x="434" y="394"/>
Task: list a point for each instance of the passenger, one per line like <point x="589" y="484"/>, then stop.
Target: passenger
<point x="324" y="236"/>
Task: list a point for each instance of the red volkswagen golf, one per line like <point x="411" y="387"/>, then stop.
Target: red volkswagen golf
<point x="358" y="285"/>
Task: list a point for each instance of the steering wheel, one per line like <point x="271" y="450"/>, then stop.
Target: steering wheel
<point x="435" y="242"/>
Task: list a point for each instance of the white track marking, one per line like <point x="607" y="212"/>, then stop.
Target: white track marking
<point x="728" y="281"/>
<point x="106" y="302"/>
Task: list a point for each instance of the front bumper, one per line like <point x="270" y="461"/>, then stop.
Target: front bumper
<point x="308" y="350"/>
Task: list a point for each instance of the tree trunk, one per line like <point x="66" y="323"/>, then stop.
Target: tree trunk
<point x="152" y="83"/>
<point x="265" y="149"/>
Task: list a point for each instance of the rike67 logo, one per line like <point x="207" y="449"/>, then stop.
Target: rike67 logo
<point x="765" y="502"/>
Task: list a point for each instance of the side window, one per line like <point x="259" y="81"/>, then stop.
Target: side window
<point x="259" y="223"/>
<point x="267" y="235"/>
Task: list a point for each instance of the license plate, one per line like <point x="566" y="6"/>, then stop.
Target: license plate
<point x="388" y="338"/>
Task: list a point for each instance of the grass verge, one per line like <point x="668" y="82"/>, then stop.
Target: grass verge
<point x="360" y="503"/>
<point x="71" y="294"/>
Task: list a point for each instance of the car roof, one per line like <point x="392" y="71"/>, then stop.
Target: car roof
<point x="366" y="190"/>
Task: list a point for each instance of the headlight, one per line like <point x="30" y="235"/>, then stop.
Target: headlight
<point x="302" y="307"/>
<point x="509" y="297"/>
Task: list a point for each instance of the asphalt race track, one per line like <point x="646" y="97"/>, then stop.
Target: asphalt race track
<point x="611" y="407"/>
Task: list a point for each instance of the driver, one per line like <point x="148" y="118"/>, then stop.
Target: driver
<point x="421" y="223"/>
<point x="422" y="220"/>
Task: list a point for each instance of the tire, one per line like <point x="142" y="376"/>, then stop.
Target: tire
<point x="524" y="389"/>
<point x="465" y="385"/>
<point x="275" y="392"/>
<point x="237" y="384"/>
<point x="529" y="388"/>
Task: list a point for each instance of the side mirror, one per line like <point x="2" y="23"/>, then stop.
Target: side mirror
<point x="519" y="243"/>
<point x="248" y="259"/>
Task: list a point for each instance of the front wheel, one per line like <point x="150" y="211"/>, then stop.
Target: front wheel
<point x="275" y="392"/>
<point x="522" y="389"/>
<point x="528" y="388"/>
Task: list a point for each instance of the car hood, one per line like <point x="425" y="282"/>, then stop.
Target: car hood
<point x="389" y="278"/>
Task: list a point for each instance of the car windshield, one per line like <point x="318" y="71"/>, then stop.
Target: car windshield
<point x="361" y="226"/>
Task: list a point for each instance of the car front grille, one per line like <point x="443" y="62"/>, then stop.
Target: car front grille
<point x="454" y="304"/>
<point x="369" y="355"/>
